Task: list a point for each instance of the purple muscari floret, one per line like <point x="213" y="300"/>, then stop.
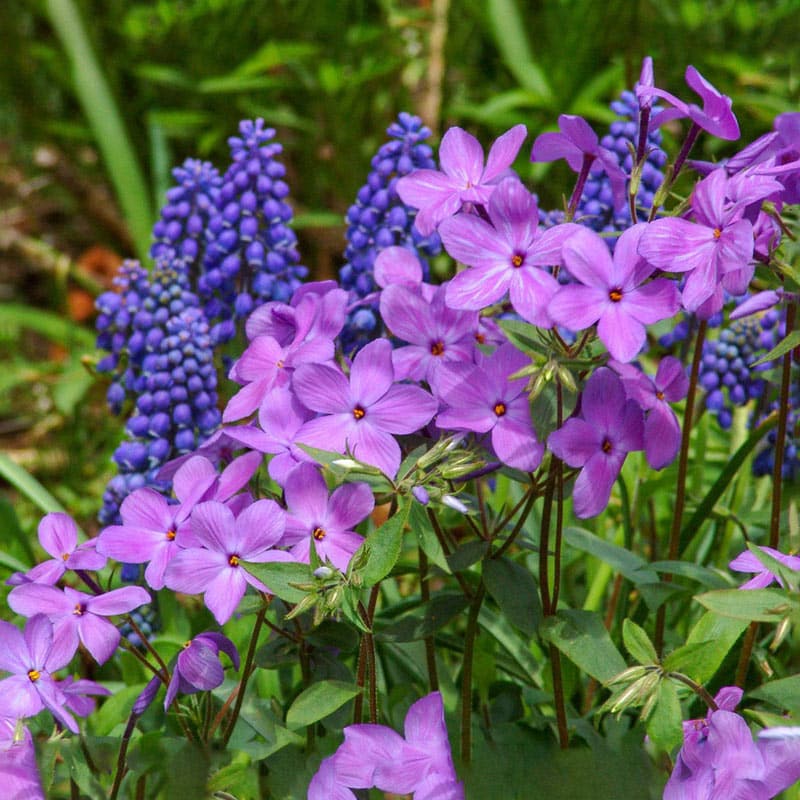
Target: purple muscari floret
<point x="187" y="212"/>
<point x="251" y="254"/>
<point x="608" y="428"/>
<point x="483" y="399"/>
<point x="463" y="177"/>
<point x="197" y="668"/>
<point x="715" y="117"/>
<point x="215" y="567"/>
<point x="78" y="617"/>
<point x="662" y="431"/>
<point x="31" y="658"/>
<point x="612" y="293"/>
<point x="435" y="333"/>
<point x="312" y="515"/>
<point x="379" y="219"/>
<point x="506" y="255"/>
<point x="377" y="756"/>
<point x="716" y="249"/>
<point x="747" y="562"/>
<point x="361" y="414"/>
<point x="719" y="758"/>
<point x="19" y="775"/>
<point x="579" y="145"/>
<point x="58" y="535"/>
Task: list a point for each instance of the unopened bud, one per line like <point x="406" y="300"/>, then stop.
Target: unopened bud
<point x="323" y="572"/>
<point x="421" y="495"/>
<point x="306" y="604"/>
<point x="454" y="503"/>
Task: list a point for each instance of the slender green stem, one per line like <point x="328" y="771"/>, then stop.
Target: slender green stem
<point x="699" y="690"/>
<point x="544" y="539"/>
<point x="558" y="696"/>
<point x="146" y="642"/>
<point x="559" y="467"/>
<point x="122" y="754"/>
<point x="247" y="669"/>
<point x="466" y="674"/>
<point x="530" y="499"/>
<point x="744" y="656"/>
<point x="683" y="465"/>
<point x="430" y="646"/>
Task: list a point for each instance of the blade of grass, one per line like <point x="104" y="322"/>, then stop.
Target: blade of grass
<point x="25" y="483"/>
<point x="94" y="95"/>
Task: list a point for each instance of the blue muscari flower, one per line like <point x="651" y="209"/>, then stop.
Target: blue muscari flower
<point x="379" y="219"/>
<point x="251" y="252"/>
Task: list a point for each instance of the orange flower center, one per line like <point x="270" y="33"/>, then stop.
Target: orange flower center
<point x="437" y="348"/>
<point x="499" y="409"/>
<point x="607" y="446"/>
<point x="65" y="556"/>
<point x="717" y="233"/>
<point x="171" y="535"/>
<point x="516" y="260"/>
<point x="660" y="395"/>
<point x="34" y="675"/>
<point x="319" y="533"/>
<point x="234" y="561"/>
<point x="358" y="412"/>
<point x="79" y="609"/>
<point x="615" y="295"/>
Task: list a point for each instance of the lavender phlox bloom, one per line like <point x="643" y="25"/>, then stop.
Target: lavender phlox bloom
<point x="720" y="760"/>
<point x="747" y="562"/>
<point x="463" y="177"/>
<point x="324" y="784"/>
<point x="361" y="414"/>
<point x="374" y="755"/>
<point x="662" y="431"/>
<point x="198" y="668"/>
<point x="58" y="535"/>
<point x="80" y="694"/>
<point x="506" y="255"/>
<point x="578" y="144"/>
<point x="436" y="334"/>
<point x="615" y="293"/>
<point x="31" y="658"/>
<point x="19" y="775"/>
<point x="715" y="117"/>
<point x="77" y="616"/>
<point x="483" y="399"/>
<point x="760" y="301"/>
<point x="716" y="249"/>
<point x="312" y="514"/>
<point x="608" y="428"/>
<point x="215" y="568"/>
<point x="397" y="266"/>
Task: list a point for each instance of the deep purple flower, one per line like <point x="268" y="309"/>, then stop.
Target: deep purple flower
<point x="505" y="256"/>
<point x="58" y="535"/>
<point x="612" y="293"/>
<point x="715" y="116"/>
<point x="311" y="514"/>
<point x="31" y="658"/>
<point x="19" y="775"/>
<point x="364" y="413"/>
<point x="747" y="562"/>
<point x="463" y="177"/>
<point x="77" y="616"/>
<point x="197" y="668"/>
<point x="608" y="428"/>
<point x="215" y="568"/>
<point x="482" y="398"/>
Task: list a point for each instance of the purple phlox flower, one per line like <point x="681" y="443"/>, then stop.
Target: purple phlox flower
<point x="374" y="755"/>
<point x="77" y="616"/>
<point x="362" y="414"/>
<point x="662" y="431"/>
<point x="31" y="658"/>
<point x="316" y="309"/>
<point x="311" y="514"/>
<point x="324" y="785"/>
<point x="506" y="255"/>
<point x="578" y="144"/>
<point x="716" y="249"/>
<point x="760" y="301"/>
<point x="463" y="177"/>
<point x="436" y="334"/>
<point x="397" y="266"/>
<point x="58" y="535"/>
<point x="154" y="530"/>
<point x="266" y="364"/>
<point x="19" y="775"/>
<point x="608" y="428"/>
<point x="767" y="234"/>
<point x="747" y="562"/>
<point x="719" y="760"/>
<point x="198" y="668"/>
<point x="715" y="117"/>
<point x="612" y="292"/>
<point x="482" y="399"/>
<point x="80" y="693"/>
<point x="215" y="569"/>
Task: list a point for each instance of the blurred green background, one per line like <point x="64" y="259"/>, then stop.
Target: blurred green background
<point x="99" y="99"/>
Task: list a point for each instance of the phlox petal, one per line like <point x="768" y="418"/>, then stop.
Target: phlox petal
<point x="593" y="486"/>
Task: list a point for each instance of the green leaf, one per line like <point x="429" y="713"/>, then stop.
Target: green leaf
<point x="706" y="576"/>
<point x="754" y="605"/>
<point x="24" y="482"/>
<point x="383" y="546"/>
<point x="426" y="537"/>
<point x="318" y="701"/>
<point x="632" y="566"/>
<point x="664" y="725"/>
<point x="279" y="577"/>
<point x="523" y="335"/>
<point x="514" y="590"/>
<point x="638" y="643"/>
<point x="582" y="637"/>
<point x="783" y="693"/>
<point x="781" y="349"/>
<point x="48" y="324"/>
<point x="467" y="554"/>
<point x="437" y="612"/>
<point x="499" y="627"/>
<point x="9" y="525"/>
